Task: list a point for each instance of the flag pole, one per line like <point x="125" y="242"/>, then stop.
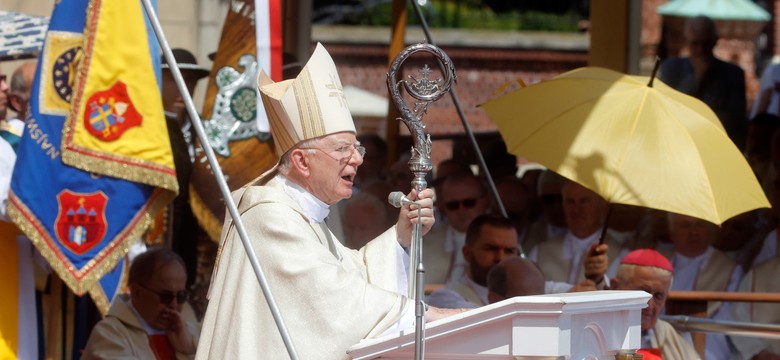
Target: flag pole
<point x="223" y="187"/>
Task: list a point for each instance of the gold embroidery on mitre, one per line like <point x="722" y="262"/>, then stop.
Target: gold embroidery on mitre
<point x="308" y="106"/>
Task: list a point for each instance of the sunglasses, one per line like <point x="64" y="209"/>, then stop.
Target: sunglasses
<point x="456" y="204"/>
<point x="552" y="199"/>
<point x="167" y="296"/>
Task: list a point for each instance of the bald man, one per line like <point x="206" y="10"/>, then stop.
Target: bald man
<point x="17" y="99"/>
<point x="20" y="87"/>
<point x="651" y="272"/>
<point x="514" y="276"/>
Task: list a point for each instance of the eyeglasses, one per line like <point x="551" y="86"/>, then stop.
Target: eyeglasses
<point x="551" y="199"/>
<point x="167" y="296"/>
<point x="456" y="204"/>
<point x="344" y="150"/>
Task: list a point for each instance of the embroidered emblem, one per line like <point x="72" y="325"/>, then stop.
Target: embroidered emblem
<point x="61" y="57"/>
<point x="110" y="113"/>
<point x="81" y="220"/>
<point x="336" y="91"/>
<point x="234" y="115"/>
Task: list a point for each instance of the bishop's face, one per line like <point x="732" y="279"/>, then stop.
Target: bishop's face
<point x="655" y="283"/>
<point x="333" y="165"/>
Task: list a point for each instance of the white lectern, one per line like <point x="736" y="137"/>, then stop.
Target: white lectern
<point x="587" y="325"/>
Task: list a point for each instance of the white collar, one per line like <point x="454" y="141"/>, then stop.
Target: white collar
<point x="575" y="246"/>
<point x="315" y="209"/>
<point x="683" y="260"/>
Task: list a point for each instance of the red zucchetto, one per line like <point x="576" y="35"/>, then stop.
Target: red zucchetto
<point x="648" y="257"/>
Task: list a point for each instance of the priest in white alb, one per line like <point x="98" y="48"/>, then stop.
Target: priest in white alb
<point x="329" y="296"/>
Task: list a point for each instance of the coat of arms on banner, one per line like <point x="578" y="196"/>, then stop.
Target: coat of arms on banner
<point x="81" y="220"/>
<point x="60" y="58"/>
<point x="234" y="115"/>
<point x="110" y="113"/>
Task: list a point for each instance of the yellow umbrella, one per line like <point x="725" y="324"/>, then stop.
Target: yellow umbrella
<point x="632" y="140"/>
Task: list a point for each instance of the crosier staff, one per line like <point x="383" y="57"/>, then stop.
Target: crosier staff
<point x="425" y="91"/>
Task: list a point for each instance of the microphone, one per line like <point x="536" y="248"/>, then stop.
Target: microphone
<point x="397" y="199"/>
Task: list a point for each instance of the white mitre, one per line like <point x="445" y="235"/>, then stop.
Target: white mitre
<point x="309" y="106"/>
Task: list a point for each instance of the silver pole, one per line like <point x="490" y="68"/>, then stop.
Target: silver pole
<point x="217" y="170"/>
<point x="425" y="91"/>
<point x="738" y="328"/>
<point x="466" y="125"/>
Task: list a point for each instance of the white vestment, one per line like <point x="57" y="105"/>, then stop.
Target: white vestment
<point x="330" y="297"/>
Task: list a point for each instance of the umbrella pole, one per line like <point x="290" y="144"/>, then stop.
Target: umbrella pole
<point x="220" y="178"/>
<point x="606" y="224"/>
<point x="466" y="126"/>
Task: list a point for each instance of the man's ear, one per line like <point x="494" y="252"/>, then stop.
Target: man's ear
<point x="300" y="161"/>
<point x="15" y="102"/>
<point x="466" y="251"/>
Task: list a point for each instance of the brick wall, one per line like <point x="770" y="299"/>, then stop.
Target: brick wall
<point x="479" y="73"/>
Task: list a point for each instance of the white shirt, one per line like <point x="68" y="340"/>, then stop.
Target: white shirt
<point x="686" y="271"/>
<point x="7" y="161"/>
<point x="768" y="249"/>
<point x="451" y="299"/>
<point x="453" y="244"/>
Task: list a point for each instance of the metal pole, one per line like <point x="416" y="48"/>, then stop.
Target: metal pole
<point x="466" y="126"/>
<point x="223" y="187"/>
<point x="695" y="324"/>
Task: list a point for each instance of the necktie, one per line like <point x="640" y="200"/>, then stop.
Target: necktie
<point x="162" y="348"/>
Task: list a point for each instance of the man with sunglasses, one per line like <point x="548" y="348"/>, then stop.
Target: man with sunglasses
<point x="329" y="297"/>
<point x="461" y="199"/>
<point x="148" y="323"/>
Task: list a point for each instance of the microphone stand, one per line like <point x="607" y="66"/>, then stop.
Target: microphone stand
<point x="425" y="91"/>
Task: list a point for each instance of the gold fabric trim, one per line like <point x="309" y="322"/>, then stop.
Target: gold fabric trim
<point x="93" y="271"/>
<point x="100" y="297"/>
<point x="91" y="160"/>
<point x="280" y="133"/>
<point x="205" y="217"/>
<point x="131" y="169"/>
<point x="309" y="109"/>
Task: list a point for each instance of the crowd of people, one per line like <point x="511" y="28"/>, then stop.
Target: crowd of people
<point x="335" y="253"/>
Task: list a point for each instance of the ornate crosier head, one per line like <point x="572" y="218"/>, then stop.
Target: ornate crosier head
<point x="425" y="91"/>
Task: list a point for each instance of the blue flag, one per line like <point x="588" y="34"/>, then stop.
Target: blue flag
<point x="82" y="223"/>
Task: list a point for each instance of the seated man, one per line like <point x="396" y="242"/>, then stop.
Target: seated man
<point x="561" y="258"/>
<point x="701" y="267"/>
<point x="148" y="323"/>
<point x="761" y="278"/>
<point x="512" y="277"/>
<point x="489" y="240"/>
<point x="649" y="271"/>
